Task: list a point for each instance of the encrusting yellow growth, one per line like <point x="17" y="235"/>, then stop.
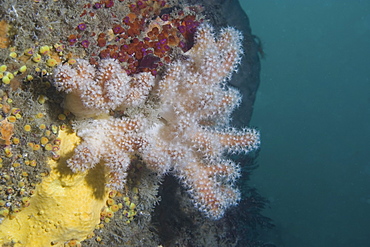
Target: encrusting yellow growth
<point x="65" y="205"/>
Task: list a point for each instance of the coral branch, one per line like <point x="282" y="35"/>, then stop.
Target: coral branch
<point x="209" y="194"/>
<point x="94" y="92"/>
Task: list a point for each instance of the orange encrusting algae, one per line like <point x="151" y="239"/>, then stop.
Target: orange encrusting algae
<point x="6" y="132"/>
<point x="4" y="41"/>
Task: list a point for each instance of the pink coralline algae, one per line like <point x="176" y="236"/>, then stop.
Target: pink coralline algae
<point x="176" y="122"/>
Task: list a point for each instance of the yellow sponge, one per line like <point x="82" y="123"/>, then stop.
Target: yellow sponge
<point x="65" y="205"/>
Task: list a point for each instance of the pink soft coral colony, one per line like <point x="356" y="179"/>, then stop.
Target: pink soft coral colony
<point x="176" y="122"/>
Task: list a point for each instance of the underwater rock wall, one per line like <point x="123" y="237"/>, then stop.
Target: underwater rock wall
<point x="99" y="101"/>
